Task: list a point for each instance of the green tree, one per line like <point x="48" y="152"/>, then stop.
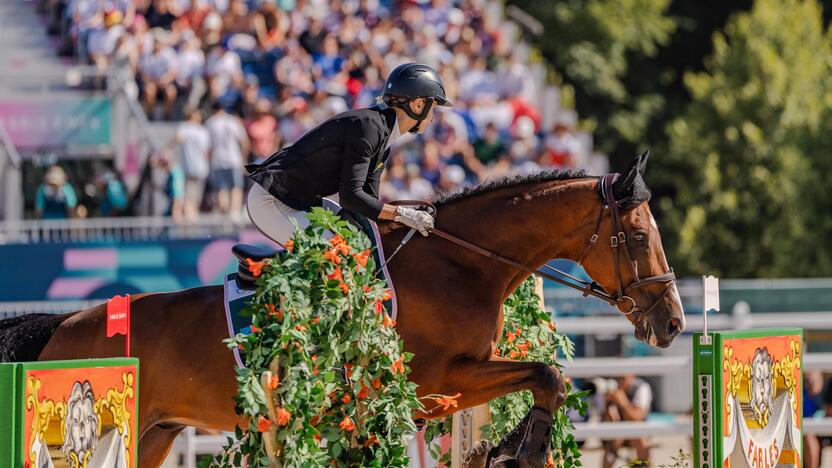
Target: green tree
<point x="592" y="44"/>
<point x="749" y="157"/>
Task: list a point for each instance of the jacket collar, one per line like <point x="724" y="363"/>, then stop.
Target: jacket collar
<point x="389" y="117"/>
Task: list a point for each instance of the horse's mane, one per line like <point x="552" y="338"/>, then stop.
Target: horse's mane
<point x="506" y="182"/>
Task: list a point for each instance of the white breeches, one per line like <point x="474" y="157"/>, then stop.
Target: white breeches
<point x="276" y="220"/>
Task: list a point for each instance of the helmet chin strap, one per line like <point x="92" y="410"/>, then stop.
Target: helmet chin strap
<point x="419" y="117"/>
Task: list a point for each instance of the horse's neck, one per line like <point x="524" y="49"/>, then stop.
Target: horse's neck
<point x="530" y="224"/>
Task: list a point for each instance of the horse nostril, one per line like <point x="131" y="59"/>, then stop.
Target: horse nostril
<point x="674" y="327"/>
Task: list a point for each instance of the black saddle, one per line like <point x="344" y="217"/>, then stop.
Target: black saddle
<point x="245" y="279"/>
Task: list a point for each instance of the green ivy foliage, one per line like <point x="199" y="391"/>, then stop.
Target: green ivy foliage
<point x="338" y="377"/>
<point x="528" y="335"/>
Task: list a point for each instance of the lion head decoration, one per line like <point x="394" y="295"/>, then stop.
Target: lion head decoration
<point x="762" y="392"/>
<point x="81" y="427"/>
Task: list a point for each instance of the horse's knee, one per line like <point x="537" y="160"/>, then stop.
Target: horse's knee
<point x="550" y="384"/>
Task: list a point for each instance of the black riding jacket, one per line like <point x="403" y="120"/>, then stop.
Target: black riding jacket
<point x="344" y="155"/>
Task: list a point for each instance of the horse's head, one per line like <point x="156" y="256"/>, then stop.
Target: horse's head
<point x="629" y="261"/>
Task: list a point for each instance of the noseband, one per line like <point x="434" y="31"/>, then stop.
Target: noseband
<point x="618" y="241"/>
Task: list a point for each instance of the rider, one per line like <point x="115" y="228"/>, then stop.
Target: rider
<point x="341" y="160"/>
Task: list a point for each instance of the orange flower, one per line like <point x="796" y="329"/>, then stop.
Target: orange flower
<point x="336" y="241"/>
<point x="344" y="249"/>
<point x="282" y="416"/>
<point x="289" y="245"/>
<point x="365" y="288"/>
<point x="300" y="328"/>
<point x="361" y="258"/>
<point x="372" y="440"/>
<point x="550" y="461"/>
<point x="377" y="383"/>
<point x="241" y="347"/>
<point x="272" y="310"/>
<point x="446" y="401"/>
<point x="346" y="399"/>
<point x="344" y="287"/>
<point x="332" y="256"/>
<point x="362" y="394"/>
<point x="255" y="329"/>
<point x="335" y="275"/>
<point x="379" y="307"/>
<point x="314" y="357"/>
<point x="497" y="352"/>
<point x="256" y="268"/>
<point x="316" y="320"/>
<point x="388" y="322"/>
<point x="388" y="294"/>
<point x="398" y="366"/>
<point x="348" y="370"/>
<point x="263" y="424"/>
<point x="347" y="424"/>
<point x="273" y="382"/>
<point x="552" y="326"/>
<point x="510" y="337"/>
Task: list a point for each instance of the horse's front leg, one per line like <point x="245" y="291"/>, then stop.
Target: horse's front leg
<point x="481" y="381"/>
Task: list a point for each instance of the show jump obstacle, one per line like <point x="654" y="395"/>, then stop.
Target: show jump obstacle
<point x="748" y="388"/>
<point x="80" y="413"/>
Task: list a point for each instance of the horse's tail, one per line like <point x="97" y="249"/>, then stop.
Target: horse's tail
<point x="23" y="338"/>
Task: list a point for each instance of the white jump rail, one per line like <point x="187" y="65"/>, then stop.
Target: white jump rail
<point x="662" y="365"/>
<point x="617" y="430"/>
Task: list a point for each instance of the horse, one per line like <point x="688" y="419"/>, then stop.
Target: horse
<point x="450" y="308"/>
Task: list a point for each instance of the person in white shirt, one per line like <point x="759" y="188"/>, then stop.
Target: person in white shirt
<point x="190" y="70"/>
<point x="229" y="142"/>
<point x="194" y="143"/>
<point x="627" y="399"/>
<point x="158" y="75"/>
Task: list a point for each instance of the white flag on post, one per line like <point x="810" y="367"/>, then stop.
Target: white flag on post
<point x="711" y="291"/>
<point x="710" y="301"/>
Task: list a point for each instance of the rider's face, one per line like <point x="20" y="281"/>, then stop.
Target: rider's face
<point x="417" y="105"/>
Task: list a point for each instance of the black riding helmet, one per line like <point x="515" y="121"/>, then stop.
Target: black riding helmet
<point x="411" y="81"/>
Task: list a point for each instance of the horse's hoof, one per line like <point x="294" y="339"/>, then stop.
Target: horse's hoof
<point x="478" y="455"/>
<point x="504" y="461"/>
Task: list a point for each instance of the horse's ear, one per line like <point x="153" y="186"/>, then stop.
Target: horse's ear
<point x="642" y="162"/>
<point x="623" y="186"/>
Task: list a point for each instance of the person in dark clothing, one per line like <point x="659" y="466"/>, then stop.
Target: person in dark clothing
<point x="341" y="160"/>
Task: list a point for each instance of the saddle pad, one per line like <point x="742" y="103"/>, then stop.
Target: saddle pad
<point x="236" y="299"/>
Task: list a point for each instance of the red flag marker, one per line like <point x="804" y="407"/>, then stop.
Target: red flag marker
<point x="118" y="319"/>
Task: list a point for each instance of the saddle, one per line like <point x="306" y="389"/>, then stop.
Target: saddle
<point x="245" y="278"/>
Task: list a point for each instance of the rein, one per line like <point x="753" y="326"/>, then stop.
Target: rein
<point x="619" y="239"/>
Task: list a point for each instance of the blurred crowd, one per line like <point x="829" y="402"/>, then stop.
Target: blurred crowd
<point x="246" y="77"/>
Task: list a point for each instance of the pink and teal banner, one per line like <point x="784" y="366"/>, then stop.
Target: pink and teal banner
<point x="57" y="122"/>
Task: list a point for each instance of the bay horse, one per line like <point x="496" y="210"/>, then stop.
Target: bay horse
<point x="450" y="308"/>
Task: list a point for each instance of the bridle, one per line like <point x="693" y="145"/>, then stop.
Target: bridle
<point x="618" y="241"/>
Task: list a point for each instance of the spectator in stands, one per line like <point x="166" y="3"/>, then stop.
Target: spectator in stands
<point x="55" y="198"/>
<point x="194" y="142"/>
<point x="812" y="389"/>
<point x="490" y="146"/>
<point x="102" y="42"/>
<point x="190" y="81"/>
<point x="174" y="186"/>
<point x="111" y="194"/>
<point x="157" y="71"/>
<point x="627" y="399"/>
<point x="314" y="59"/>
<point x="229" y="144"/>
<point x="562" y="147"/>
<point x="262" y="132"/>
